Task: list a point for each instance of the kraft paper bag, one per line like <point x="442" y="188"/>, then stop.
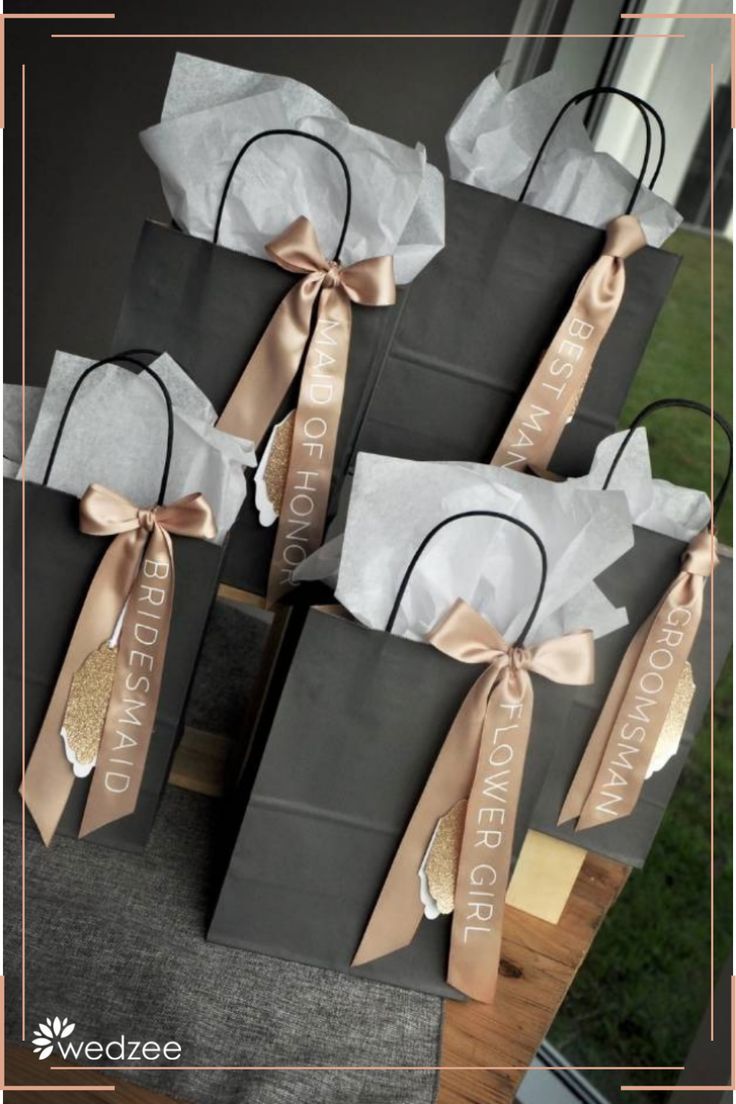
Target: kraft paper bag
<point x="345" y="739"/>
<point x="353" y="717"/>
<point x="442" y="371"/>
<point x="637" y="582"/>
<point x="668" y="519"/>
<point x="271" y="150"/>
<point x="534" y="219"/>
<point x="43" y="523"/>
<point x="60" y="564"/>
<point x="208" y="306"/>
<point x="497" y="134"/>
<point x="476" y="322"/>
<point x="437" y="376"/>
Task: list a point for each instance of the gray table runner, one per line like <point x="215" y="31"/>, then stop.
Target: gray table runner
<point x="116" y="943"/>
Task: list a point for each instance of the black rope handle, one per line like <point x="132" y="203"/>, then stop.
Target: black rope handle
<point x="128" y="357"/>
<point x="689" y="404"/>
<point x="295" y="134"/>
<point x="468" y="514"/>
<point x="642" y="106"/>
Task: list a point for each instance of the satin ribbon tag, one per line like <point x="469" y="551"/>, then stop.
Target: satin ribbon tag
<point x="308" y="338"/>
<point x="131" y="593"/>
<point x="647" y="703"/>
<point x="470" y="801"/>
<point x="86" y="708"/>
<point x="270" y="477"/>
<point x="553" y="394"/>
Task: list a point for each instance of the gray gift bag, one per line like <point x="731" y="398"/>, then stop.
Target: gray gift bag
<point x="476" y="322"/>
<point x="60" y="563"/>
<point x="637" y="581"/>
<point x="435" y="377"/>
<point x="343" y="742"/>
<point x="208" y="306"/>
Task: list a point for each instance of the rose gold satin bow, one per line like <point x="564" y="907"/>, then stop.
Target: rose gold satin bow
<point x="556" y="388"/>
<point x="482" y="759"/>
<point x="615" y="763"/>
<point x="137" y="568"/>
<point x="314" y="317"/>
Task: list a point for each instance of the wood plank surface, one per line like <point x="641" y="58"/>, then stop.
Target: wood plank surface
<point x="200" y="762"/>
<point x="23" y="1068"/>
<point x="538" y="964"/>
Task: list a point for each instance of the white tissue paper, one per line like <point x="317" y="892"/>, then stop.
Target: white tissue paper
<point x="491" y="564"/>
<point x="116" y="435"/>
<point x="495" y="138"/>
<point x="323" y="566"/>
<point x="655" y="504"/>
<point x="13" y="423"/>
<point x="211" y="110"/>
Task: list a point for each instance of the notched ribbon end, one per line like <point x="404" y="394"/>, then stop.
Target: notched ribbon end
<point x="90" y="825"/>
<point x="47" y="837"/>
<point x="118" y="584"/>
<point x="477" y="988"/>
<point x="588" y="820"/>
<point x="99" y="814"/>
<point x="365" y="954"/>
<point x="44" y="828"/>
<point x="564" y="818"/>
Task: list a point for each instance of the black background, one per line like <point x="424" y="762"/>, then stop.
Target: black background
<point x="89" y="183"/>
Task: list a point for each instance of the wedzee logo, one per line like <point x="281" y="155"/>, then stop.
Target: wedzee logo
<point x="48" y="1034"/>
<point x="52" y="1035"/>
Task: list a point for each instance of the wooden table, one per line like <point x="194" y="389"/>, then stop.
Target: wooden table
<point x="538" y="964"/>
<point x="539" y="961"/>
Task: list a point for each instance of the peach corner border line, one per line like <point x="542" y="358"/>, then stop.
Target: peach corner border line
<point x="4" y="1087"/>
<point x="699" y="15"/>
<point x="711" y="236"/>
<point x="34" y="15"/>
<point x="732" y="18"/>
<point x="3" y="1084"/>
<point x="700" y="1088"/>
<point x="459" y="35"/>
<point x="23" y="369"/>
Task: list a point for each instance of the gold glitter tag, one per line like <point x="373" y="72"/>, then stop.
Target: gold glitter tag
<point x="669" y="738"/>
<point x="86" y="708"/>
<point x="278" y="461"/>
<point x="444" y="856"/>
<point x="271" y="474"/>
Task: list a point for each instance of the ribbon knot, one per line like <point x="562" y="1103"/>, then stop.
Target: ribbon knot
<point x="481" y="763"/>
<point x="133" y="587"/>
<point x="333" y="275"/>
<point x="700" y="557"/>
<point x="310" y="328"/>
<point x="105" y="513"/>
<point x="624" y="236"/>
<point x="369" y="282"/>
<point x="519" y="658"/>
<point x="147" y="519"/>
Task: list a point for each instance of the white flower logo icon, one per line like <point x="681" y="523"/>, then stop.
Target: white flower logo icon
<point x="47" y="1034"/>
